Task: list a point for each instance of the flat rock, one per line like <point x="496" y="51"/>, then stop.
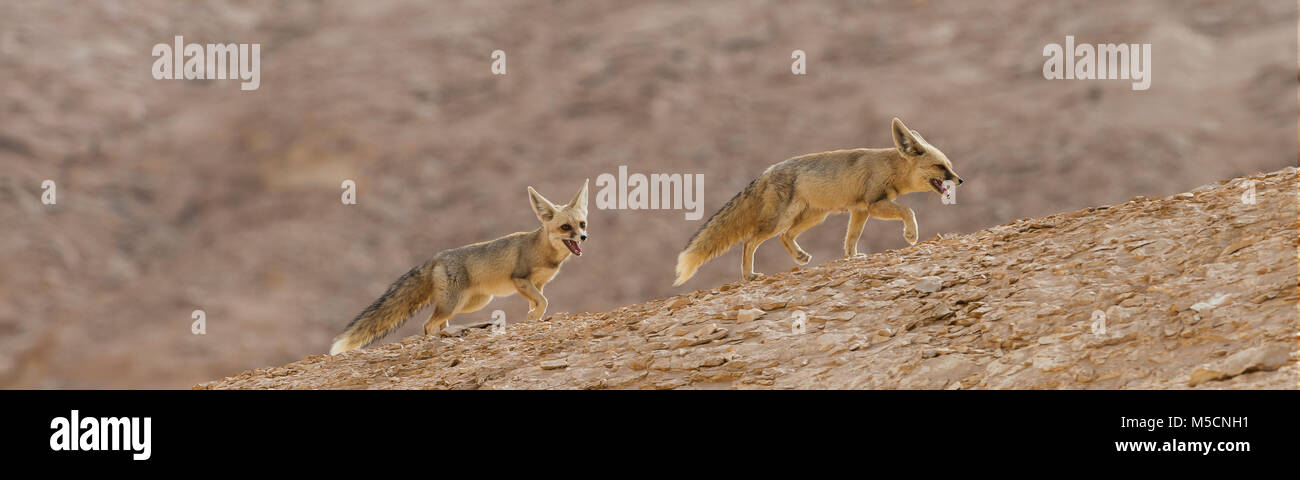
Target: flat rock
<point x="929" y="284"/>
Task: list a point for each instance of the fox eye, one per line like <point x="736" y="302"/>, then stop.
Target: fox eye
<point x="582" y="224"/>
<point x="566" y="227"/>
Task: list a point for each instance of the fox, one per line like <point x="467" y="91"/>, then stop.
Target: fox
<point x="465" y="279"/>
<point x="799" y="193"/>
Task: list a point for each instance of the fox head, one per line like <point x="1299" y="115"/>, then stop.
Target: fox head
<point x="930" y="167"/>
<point x="564" y="226"/>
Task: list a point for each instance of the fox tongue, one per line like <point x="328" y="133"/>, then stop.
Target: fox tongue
<point x="943" y="189"/>
<point x="573" y="247"/>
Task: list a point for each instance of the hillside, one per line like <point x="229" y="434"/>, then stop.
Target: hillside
<point x="1197" y="290"/>
<point x="176" y="196"/>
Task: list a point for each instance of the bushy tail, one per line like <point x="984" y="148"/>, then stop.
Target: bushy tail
<point x="410" y="293"/>
<point x="725" y="228"/>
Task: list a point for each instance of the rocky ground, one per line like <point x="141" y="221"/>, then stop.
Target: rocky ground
<point x="1196" y="290"/>
<point x="176" y="196"/>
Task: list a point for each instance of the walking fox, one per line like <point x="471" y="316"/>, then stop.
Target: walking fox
<point x="797" y="194"/>
<point x="465" y="279"/>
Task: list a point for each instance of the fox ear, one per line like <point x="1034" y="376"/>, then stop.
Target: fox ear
<point x="918" y="136"/>
<point x="580" y="200"/>
<point x="544" y="209"/>
<point x="906" y="140"/>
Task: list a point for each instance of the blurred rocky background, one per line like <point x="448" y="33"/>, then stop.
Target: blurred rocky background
<point x="182" y="195"/>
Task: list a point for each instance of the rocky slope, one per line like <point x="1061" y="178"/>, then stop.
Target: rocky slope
<point x="176" y="196"/>
<point x="1194" y="290"/>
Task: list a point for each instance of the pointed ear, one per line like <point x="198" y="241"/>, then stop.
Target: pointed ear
<point x="906" y="142"/>
<point x="917" y="135"/>
<point x="544" y="209"/>
<point x="580" y="200"/>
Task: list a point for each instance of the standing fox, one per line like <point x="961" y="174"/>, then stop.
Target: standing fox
<point x="465" y="279"/>
<point x="797" y="194"/>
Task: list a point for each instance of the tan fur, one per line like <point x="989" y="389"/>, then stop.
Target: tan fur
<point x="465" y="279"/>
<point x="797" y="194"/>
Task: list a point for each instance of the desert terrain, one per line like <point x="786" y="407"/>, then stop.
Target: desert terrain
<point x="1197" y="290"/>
<point x="184" y="195"/>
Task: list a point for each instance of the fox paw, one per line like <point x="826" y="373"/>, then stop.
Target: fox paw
<point x="749" y="277"/>
<point x="802" y="258"/>
<point x="910" y="237"/>
<point x="536" y="313"/>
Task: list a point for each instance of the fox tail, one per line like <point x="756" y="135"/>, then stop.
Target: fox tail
<point x="720" y="232"/>
<point x="413" y="291"/>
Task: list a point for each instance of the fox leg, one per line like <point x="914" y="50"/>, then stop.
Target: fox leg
<point x="437" y="320"/>
<point x="747" y="260"/>
<point x="804" y="221"/>
<point x="857" y="220"/>
<point x="444" y="307"/>
<point x="888" y="210"/>
<point x="761" y="234"/>
<point x="536" y="302"/>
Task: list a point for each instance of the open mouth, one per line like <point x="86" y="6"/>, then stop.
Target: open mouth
<point x="939" y="186"/>
<point x="573" y="247"/>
